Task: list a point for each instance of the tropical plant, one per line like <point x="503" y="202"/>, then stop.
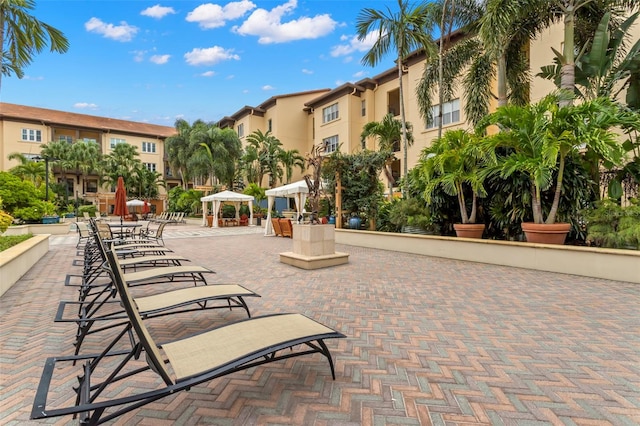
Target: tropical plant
<point x="362" y="191"/>
<point x="290" y="159"/>
<point x="28" y="169"/>
<point x="264" y="152"/>
<point x="179" y="150"/>
<point x="412" y="212"/>
<point x="16" y="193"/>
<point x="611" y="225"/>
<point x="406" y="30"/>
<point x="217" y="153"/>
<point x="579" y="17"/>
<point x="603" y="63"/>
<point x="22" y="35"/>
<point x="255" y="191"/>
<point x="457" y="164"/>
<point x="537" y="139"/>
<point x="121" y="161"/>
<point x="84" y="157"/>
<point x="388" y="132"/>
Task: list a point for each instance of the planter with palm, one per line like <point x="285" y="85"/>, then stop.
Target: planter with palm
<point x="456" y="164"/>
<point x="537" y="139"/>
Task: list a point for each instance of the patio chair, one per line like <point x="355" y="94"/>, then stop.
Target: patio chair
<point x="181" y="363"/>
<point x="275" y="222"/>
<point x="244" y="220"/>
<point x="156" y="234"/>
<point x="86" y="216"/>
<point x="83" y="233"/>
<point x="286" y="227"/>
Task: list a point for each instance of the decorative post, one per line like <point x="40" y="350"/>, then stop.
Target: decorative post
<point x="338" y="201"/>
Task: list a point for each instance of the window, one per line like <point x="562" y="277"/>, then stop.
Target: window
<point x="65" y="138"/>
<point x="31" y="135"/>
<point x="92" y="186"/>
<point x="150" y="166"/>
<point x="330" y="144"/>
<point x="270" y="124"/>
<point x="450" y="114"/>
<point x="240" y="130"/>
<point x="87" y="140"/>
<point x="116" y="141"/>
<point x="330" y="113"/>
<point x="149" y="147"/>
<point x="363" y="108"/>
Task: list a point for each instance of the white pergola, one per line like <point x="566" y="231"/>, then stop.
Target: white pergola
<point x="296" y="190"/>
<point x="225" y="197"/>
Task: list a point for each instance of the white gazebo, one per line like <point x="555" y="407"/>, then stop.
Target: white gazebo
<point x="225" y="197"/>
<point x="296" y="190"/>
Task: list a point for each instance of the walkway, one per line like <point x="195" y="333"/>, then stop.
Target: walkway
<point x="430" y="341"/>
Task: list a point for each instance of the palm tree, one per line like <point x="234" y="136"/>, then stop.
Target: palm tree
<point x="388" y="132"/>
<point x="122" y="161"/>
<point x="84" y="158"/>
<point x="29" y="169"/>
<point x="22" y="35"/>
<point x="219" y="150"/>
<point x="407" y="30"/>
<point x="504" y="17"/>
<point x="179" y="150"/>
<point x="267" y="148"/>
<point x="290" y="159"/>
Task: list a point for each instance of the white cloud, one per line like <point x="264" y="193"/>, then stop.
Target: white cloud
<point x="85" y="105"/>
<point x="160" y="59"/>
<point x="208" y="74"/>
<point x="359" y="74"/>
<point x="268" y="25"/>
<point x="354" y="45"/>
<point x="268" y="87"/>
<point x="306" y="71"/>
<point x="122" y="32"/>
<point x="157" y="11"/>
<point x="209" y="56"/>
<point x="211" y="15"/>
<point x="138" y="55"/>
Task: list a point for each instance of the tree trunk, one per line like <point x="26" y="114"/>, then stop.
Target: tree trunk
<point x="405" y="143"/>
<point x="567" y="73"/>
<point x="502" y="80"/>
<point x="441" y="68"/>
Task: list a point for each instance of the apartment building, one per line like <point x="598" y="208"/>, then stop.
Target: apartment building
<point x="25" y="129"/>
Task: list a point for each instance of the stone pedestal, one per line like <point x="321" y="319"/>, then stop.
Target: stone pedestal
<point x="314" y="248"/>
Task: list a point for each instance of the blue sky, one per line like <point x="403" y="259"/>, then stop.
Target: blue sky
<point x="155" y="62"/>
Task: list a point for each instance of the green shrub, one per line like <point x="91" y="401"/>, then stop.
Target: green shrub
<point x="613" y="226"/>
<point x="89" y="208"/>
<point x="12" y="240"/>
<point x="5" y="221"/>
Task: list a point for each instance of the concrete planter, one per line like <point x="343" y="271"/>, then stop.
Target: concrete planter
<point x="17" y="260"/>
<point x="611" y="264"/>
<point x="313" y="248"/>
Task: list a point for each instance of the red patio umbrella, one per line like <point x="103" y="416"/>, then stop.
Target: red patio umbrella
<point x="121" y="200"/>
<point x="145" y="208"/>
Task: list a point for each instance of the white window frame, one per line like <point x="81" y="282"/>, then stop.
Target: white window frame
<point x="149" y="147"/>
<point x="31" y="135"/>
<point x="241" y="130"/>
<point x="330" y="113"/>
<point x="450" y="114"/>
<point x="115" y="141"/>
<point x="150" y="166"/>
<point x="331" y="144"/>
<point x="65" y="138"/>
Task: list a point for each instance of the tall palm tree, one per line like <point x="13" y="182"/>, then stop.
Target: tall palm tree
<point x="407" y="30"/>
<point x="179" y="150"/>
<point x="218" y="152"/>
<point x="290" y="159"/>
<point x="268" y="148"/>
<point x="84" y="158"/>
<point x="388" y="132"/>
<point x="22" y="35"/>
<point x="122" y="161"/>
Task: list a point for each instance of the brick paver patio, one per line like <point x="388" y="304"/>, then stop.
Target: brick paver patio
<point x="430" y="341"/>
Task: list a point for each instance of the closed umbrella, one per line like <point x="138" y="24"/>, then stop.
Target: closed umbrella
<point x="121" y="200"/>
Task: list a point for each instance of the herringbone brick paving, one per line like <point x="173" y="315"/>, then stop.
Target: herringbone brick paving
<point x="430" y="341"/>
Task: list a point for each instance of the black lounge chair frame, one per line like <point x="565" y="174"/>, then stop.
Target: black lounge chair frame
<point x="92" y="410"/>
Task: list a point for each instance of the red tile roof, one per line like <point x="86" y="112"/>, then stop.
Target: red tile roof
<point x="61" y="118"/>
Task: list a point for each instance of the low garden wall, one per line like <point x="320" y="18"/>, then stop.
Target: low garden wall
<point x="17" y="260"/>
<point x="612" y="264"/>
<point x="51" y="229"/>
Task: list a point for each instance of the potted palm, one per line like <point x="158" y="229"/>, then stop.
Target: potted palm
<point x="456" y="163"/>
<point x="536" y="140"/>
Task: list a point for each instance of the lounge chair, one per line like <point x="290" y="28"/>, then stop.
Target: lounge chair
<point x="86" y="216"/>
<point x="83" y="233"/>
<point x="286" y="228"/>
<point x="94" y="299"/>
<point x="181" y="363"/>
<point x="275" y="222"/>
<point x="156" y="234"/>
